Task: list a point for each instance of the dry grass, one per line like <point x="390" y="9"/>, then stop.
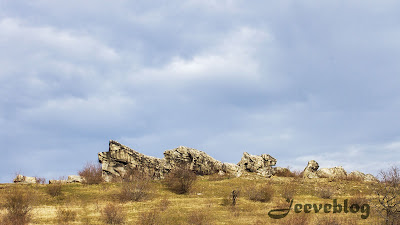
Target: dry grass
<point x="325" y="192"/>
<point x="334" y="220"/>
<point x="149" y="218"/>
<point x="113" y="214"/>
<point x="137" y="188"/>
<point x="18" y="205"/>
<point x="54" y="190"/>
<point x="65" y="216"/>
<point x="166" y="207"/>
<point x="180" y="180"/>
<point x="91" y="174"/>
<point x="261" y="193"/>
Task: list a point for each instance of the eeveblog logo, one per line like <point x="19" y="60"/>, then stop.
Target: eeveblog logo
<point x="323" y="208"/>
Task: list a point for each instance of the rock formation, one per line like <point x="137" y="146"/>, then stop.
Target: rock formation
<point x="333" y="173"/>
<point x="71" y="179"/>
<point x="120" y="158"/>
<point x="357" y="175"/>
<point x="25" y="180"/>
<point x="311" y="170"/>
<point x="262" y="164"/>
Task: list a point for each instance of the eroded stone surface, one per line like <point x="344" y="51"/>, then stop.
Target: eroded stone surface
<point x="261" y="164"/>
<point x="24" y="179"/>
<point x="311" y="170"/>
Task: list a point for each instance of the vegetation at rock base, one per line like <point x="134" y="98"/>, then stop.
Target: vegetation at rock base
<point x="203" y="204"/>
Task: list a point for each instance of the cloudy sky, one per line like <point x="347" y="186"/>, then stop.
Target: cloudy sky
<point x="299" y="81"/>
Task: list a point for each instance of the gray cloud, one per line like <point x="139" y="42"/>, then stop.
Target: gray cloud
<point x="300" y="81"/>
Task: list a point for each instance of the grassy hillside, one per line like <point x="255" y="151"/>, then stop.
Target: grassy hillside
<point x="208" y="202"/>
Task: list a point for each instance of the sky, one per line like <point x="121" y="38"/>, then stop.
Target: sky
<point x="299" y="80"/>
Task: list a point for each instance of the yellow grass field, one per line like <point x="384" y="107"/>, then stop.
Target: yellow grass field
<point x="207" y="203"/>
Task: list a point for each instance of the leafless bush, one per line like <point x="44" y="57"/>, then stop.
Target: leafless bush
<point x="54" y="190"/>
<point x="198" y="217"/>
<point x="359" y="199"/>
<point x="261" y="193"/>
<point x="18" y="205"/>
<point x="65" y="216"/>
<point x="40" y="180"/>
<point x="180" y="180"/>
<point x="288" y="191"/>
<point x="325" y="192"/>
<point x="388" y="195"/>
<point x="231" y="199"/>
<point x="149" y="218"/>
<point x="113" y="214"/>
<point x="91" y="174"/>
<point x="136" y="186"/>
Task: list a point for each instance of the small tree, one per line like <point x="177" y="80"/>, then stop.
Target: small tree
<point x="388" y="196"/>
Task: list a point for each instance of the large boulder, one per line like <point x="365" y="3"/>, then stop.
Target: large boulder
<point x="334" y="173"/>
<point x="357" y="175"/>
<point x="74" y="179"/>
<point x="261" y="164"/>
<point x="197" y="161"/>
<point x="311" y="170"/>
<point x="24" y="179"/>
<point x="232" y="169"/>
<point x="119" y="159"/>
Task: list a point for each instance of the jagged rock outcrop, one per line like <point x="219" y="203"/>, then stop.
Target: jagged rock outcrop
<point x="75" y="179"/>
<point x="25" y="180"/>
<point x="120" y="159"/>
<point x="357" y="175"/>
<point x="197" y="161"/>
<point x="334" y="173"/>
<point x="262" y="164"/>
<point x="311" y="170"/>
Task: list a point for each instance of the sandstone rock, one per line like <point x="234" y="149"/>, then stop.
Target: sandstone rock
<point x="357" y="175"/>
<point x="311" y="170"/>
<point x="232" y="169"/>
<point x="261" y="164"/>
<point x="120" y="158"/>
<point x="57" y="181"/>
<point x="370" y="178"/>
<point x="24" y="179"/>
<point x="74" y="179"/>
<point x="335" y="173"/>
<point x="197" y="161"/>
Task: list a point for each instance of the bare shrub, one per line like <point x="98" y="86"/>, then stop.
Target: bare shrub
<point x="55" y="189"/>
<point x="261" y="193"/>
<point x="149" y="218"/>
<point x="198" y="217"/>
<point x="65" y="216"/>
<point x="136" y="188"/>
<point x="18" y="205"/>
<point x="325" y="192"/>
<point x="288" y="191"/>
<point x="359" y="199"/>
<point x="113" y="214"/>
<point x="180" y="180"/>
<point x="40" y="180"/>
<point x="285" y="172"/>
<point x="91" y="174"/>
<point x="388" y="195"/>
